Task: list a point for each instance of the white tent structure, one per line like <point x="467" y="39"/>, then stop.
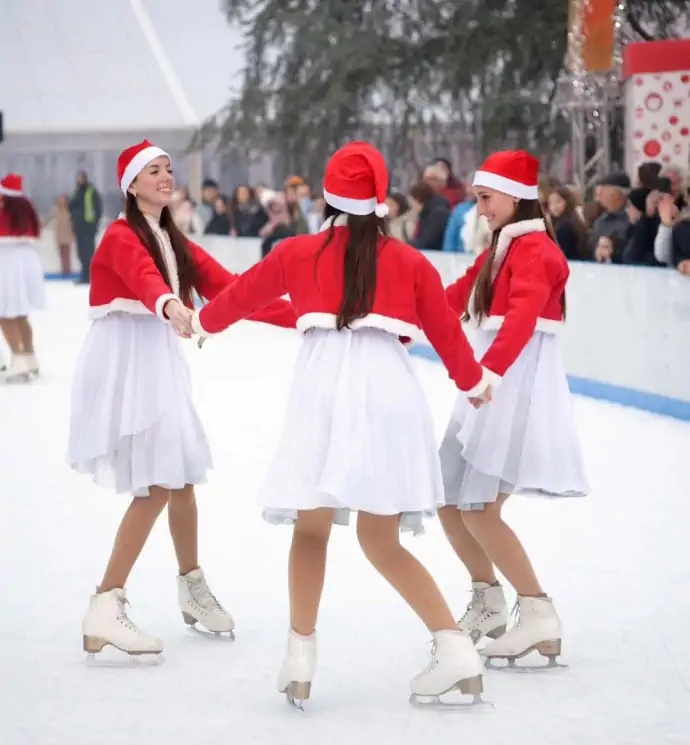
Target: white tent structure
<point x="80" y="80"/>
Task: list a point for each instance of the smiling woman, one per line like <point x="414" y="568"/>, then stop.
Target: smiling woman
<point x="133" y="423"/>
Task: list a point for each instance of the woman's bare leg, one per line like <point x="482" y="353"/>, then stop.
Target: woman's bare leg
<point x="307" y="567"/>
<point x="379" y="537"/>
<point x="131" y="536"/>
<point x="503" y="547"/>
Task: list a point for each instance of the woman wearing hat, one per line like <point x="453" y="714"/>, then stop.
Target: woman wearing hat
<point x="22" y="287"/>
<point x="133" y="425"/>
<point x="526" y="441"/>
<point x="358" y="434"/>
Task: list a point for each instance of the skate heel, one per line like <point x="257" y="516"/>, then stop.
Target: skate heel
<point x="471" y="686"/>
<point x="499" y="631"/>
<point x="189" y="620"/>
<point x="550" y="648"/>
<point x="93" y="644"/>
<point x="298" y="691"/>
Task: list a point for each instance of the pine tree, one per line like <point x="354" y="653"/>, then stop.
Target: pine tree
<point x="322" y="72"/>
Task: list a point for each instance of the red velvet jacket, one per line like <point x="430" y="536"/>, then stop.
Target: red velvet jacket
<point x="529" y="276"/>
<point x="125" y="278"/>
<point x="409" y="297"/>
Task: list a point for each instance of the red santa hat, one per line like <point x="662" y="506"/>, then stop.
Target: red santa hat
<point x="512" y="172"/>
<point x="356" y="180"/>
<point x="133" y="160"/>
<point x="12" y="185"/>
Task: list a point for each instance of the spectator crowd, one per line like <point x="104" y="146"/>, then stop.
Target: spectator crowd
<point x="644" y="221"/>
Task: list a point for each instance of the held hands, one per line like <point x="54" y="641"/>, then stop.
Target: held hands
<point x="180" y="317"/>
<point x="479" y="401"/>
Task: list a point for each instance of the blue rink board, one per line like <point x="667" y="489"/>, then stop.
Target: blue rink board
<point x="652" y="402"/>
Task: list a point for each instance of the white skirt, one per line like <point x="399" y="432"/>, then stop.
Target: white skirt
<point x="22" y="286"/>
<point x="358" y="434"/>
<point x="133" y="424"/>
<point x="524" y="441"/>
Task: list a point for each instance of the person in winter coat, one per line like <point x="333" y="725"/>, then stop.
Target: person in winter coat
<point x="86" y="209"/>
<point x="433" y="213"/>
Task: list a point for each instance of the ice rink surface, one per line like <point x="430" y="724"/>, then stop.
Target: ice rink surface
<point x="616" y="563"/>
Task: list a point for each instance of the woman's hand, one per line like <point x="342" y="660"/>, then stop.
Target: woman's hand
<point x="479" y="401"/>
<point x="180" y="318"/>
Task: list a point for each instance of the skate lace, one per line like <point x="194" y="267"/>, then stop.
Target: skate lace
<point x="476" y="609"/>
<point x="515" y="613"/>
<point x="122" y="616"/>
<point x="203" y="596"/>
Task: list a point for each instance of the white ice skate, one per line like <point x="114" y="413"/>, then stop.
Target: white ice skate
<point x="297" y="672"/>
<point x="456" y="666"/>
<point x="18" y="371"/>
<point x="538" y="628"/>
<point x="486" y="614"/>
<point x="32" y="365"/>
<point x="199" y="605"/>
<point x="107" y="624"/>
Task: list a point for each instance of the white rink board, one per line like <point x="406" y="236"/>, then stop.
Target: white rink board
<point x="627" y="336"/>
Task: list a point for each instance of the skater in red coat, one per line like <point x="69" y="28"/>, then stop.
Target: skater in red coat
<point x="22" y="287"/>
<point x="133" y="425"/>
<point x="358" y="435"/>
<point x="526" y="441"/>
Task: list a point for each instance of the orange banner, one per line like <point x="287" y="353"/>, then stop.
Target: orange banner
<point x="597" y="18"/>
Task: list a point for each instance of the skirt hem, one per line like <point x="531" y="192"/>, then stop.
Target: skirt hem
<point x="410" y="522"/>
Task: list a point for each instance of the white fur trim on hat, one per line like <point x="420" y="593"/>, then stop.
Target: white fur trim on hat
<point x="138" y="163"/>
<point x="351" y="206"/>
<point x="505" y="185"/>
<point x="11" y="192"/>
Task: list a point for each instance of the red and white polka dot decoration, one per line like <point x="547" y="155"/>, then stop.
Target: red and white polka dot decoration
<point x="660" y="104"/>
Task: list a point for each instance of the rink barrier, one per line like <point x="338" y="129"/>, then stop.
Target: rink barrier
<point x="626" y="338"/>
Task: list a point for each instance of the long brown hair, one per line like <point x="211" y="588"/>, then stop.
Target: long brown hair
<point x="359" y="275"/>
<point x="23" y="218"/>
<point x="186" y="268"/>
<point x="572" y="216"/>
<point x="526" y="209"/>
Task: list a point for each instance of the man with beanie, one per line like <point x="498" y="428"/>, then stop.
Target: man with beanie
<point x="612" y="195"/>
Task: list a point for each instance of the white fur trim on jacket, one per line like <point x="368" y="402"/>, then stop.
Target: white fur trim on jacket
<point x="197" y="328"/>
<point x="133" y="307"/>
<point x="121" y="305"/>
<point x="371" y="321"/>
<point x="338" y="222"/>
<point x="160" y="303"/>
<point x="547" y="325"/>
<point x="508" y="234"/>
<point x="505" y="238"/>
<point x="167" y="252"/>
<point x="489" y="378"/>
<point x="18" y="239"/>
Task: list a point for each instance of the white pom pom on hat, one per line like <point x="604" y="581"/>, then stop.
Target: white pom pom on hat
<point x="356" y="180"/>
